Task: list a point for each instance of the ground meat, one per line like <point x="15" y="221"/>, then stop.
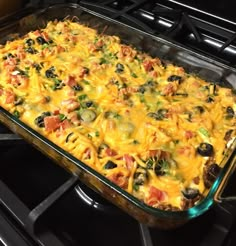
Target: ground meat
<point x="210" y="174"/>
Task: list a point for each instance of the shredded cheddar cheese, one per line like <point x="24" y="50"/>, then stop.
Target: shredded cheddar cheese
<point x="152" y="129"/>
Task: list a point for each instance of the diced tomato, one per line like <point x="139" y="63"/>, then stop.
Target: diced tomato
<point x="70" y="104"/>
<point x="60" y="49"/>
<point x="129" y="160"/>
<point x="153" y="74"/>
<point x="196" y="180"/>
<point x="189" y="134"/>
<point x="127" y="90"/>
<point x="37" y="33"/>
<point x="45" y="36"/>
<point x="186" y="150"/>
<point x="155" y="196"/>
<point x="111" y="124"/>
<point x="119" y="179"/>
<point x="99" y="43"/>
<point x="126" y="52"/>
<point x="200" y="95"/>
<point x="19" y="81"/>
<point x="196" y="84"/>
<point x="21" y="54"/>
<point x="10" y="64"/>
<point x="56" y="111"/>
<point x="154" y="152"/>
<point x="70" y="81"/>
<point x="165" y="155"/>
<point x="82" y="71"/>
<point x="73" y="117"/>
<point x="10" y="97"/>
<point x="161" y="154"/>
<point x="148" y="65"/>
<point x="52" y="123"/>
<point x="71" y="93"/>
<point x="169" y="89"/>
<point x="92" y="48"/>
<point x="110" y="152"/>
<point x="87" y="153"/>
<point x="181" y="70"/>
<point x="65" y="124"/>
<point x="97" y="46"/>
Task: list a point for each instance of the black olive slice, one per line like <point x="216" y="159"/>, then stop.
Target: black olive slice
<point x="229" y="113"/>
<point x="174" y="78"/>
<point x="86" y="70"/>
<point x="9" y="55"/>
<point x="140" y="178"/>
<point x="102" y="147"/>
<point x="37" y="67"/>
<point x="159" y="115"/>
<point x="77" y="87"/>
<point x="110" y="165"/>
<point x="41" y="40"/>
<point x="30" y="42"/>
<point x="190" y="193"/>
<point x="119" y="68"/>
<point x="39" y="121"/>
<point x="18" y="101"/>
<point x="199" y="109"/>
<point x="31" y="50"/>
<point x="47" y="113"/>
<point x="141" y="89"/>
<point x="205" y="149"/>
<point x="210" y="99"/>
<point x="89" y="104"/>
<point x="50" y="73"/>
<point x="161" y="166"/>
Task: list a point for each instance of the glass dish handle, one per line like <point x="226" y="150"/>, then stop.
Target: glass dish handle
<point x="228" y="179"/>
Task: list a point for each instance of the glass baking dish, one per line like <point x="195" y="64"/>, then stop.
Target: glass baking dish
<point x="193" y="62"/>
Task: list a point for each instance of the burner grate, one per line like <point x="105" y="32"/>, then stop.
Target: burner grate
<point x="199" y="31"/>
<point x="114" y="10"/>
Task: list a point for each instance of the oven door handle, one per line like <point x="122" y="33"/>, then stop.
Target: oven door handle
<point x="228" y="179"/>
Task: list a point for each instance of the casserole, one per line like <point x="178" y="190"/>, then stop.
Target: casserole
<point x="87" y="174"/>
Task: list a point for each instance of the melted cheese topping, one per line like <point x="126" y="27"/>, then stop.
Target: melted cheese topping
<point x="150" y="128"/>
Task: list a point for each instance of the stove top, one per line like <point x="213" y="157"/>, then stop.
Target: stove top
<point x="42" y="204"/>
